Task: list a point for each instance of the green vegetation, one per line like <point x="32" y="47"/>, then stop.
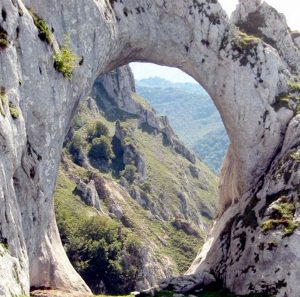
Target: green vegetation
<point x="146" y="187"/>
<point x="3" y="101"/>
<point x="97" y="129"/>
<point x="3" y="38"/>
<point x="106" y="254"/>
<point x="101" y="148"/>
<point x="149" y="217"/>
<point x="4" y="245"/>
<point x="295" y="156"/>
<point x="200" y="128"/>
<point x="139" y="99"/>
<point x="129" y="173"/>
<point x="243" y="40"/>
<point x="14" y="112"/>
<point x="65" y="61"/>
<point x="291" y="99"/>
<point x="3" y="242"/>
<point x="294" y="86"/>
<point x="44" y="32"/>
<point x="282" y="215"/>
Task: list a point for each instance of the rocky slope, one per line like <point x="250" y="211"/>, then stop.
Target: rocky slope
<point x="253" y="81"/>
<point x="152" y="185"/>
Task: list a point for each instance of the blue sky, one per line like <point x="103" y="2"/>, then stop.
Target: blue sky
<point x="144" y="70"/>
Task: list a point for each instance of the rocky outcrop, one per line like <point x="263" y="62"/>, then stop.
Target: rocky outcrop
<point x="192" y="283"/>
<point x="244" y="76"/>
<point x="118" y="87"/>
<point x="131" y="154"/>
<point x="88" y="194"/>
<point x="260" y="19"/>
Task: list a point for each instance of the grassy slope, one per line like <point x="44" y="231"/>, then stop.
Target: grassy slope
<point x="166" y="172"/>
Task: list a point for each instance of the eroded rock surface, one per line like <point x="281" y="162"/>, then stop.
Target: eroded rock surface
<point x="246" y="79"/>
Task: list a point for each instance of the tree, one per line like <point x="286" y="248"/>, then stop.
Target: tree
<point x="101" y="148"/>
<point x="97" y="129"/>
<point x="129" y="173"/>
<point x="104" y="253"/>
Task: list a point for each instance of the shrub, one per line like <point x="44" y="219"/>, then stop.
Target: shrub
<point x="65" y="60"/>
<point x="104" y="253"/>
<point x="14" y="112"/>
<point x="146" y="187"/>
<point x="44" y="32"/>
<point x="97" y="129"/>
<point x="3" y="38"/>
<point x="282" y="215"/>
<point x="101" y="148"/>
<point x="294" y="86"/>
<point x="76" y="147"/>
<point x="243" y="40"/>
<point x="2" y="101"/>
<point x="129" y="173"/>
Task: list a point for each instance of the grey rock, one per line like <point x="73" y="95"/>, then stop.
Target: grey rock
<point x="195" y="37"/>
<point x="88" y="194"/>
<point x="187" y="283"/>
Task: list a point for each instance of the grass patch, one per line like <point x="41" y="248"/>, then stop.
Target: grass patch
<point x="4" y="245"/>
<point x="294" y="86"/>
<point x="282" y="215"/>
<point x="3" y="101"/>
<point x="100" y="248"/>
<point x="139" y="99"/>
<point x="65" y="61"/>
<point x="43" y="30"/>
<point x="14" y="112"/>
<point x="243" y="40"/>
<point x="295" y="156"/>
<point x="3" y="39"/>
<point x="289" y="101"/>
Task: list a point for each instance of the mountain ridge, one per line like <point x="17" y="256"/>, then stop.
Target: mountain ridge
<point x="192" y="115"/>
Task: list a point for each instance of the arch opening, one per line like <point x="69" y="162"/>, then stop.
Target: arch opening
<point x="245" y="100"/>
<point x="129" y="185"/>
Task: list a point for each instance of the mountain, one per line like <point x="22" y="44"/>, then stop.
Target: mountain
<point x="192" y="115"/>
<point x="125" y="173"/>
<point x="51" y="54"/>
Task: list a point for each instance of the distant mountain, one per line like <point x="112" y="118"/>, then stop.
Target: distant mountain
<point x="192" y="115"/>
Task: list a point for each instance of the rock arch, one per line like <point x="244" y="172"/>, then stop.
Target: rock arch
<point x="242" y="74"/>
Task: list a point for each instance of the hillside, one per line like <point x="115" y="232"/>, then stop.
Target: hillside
<point x="125" y="172"/>
<point x="192" y="115"/>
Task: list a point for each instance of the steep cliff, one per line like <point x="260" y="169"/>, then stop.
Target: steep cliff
<point x="254" y="84"/>
<point x="151" y="184"/>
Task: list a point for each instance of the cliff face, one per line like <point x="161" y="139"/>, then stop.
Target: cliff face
<point x="245" y="77"/>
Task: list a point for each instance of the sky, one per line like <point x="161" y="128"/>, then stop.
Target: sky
<point x="144" y="70"/>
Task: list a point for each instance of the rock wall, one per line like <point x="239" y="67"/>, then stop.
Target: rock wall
<point x="243" y="76"/>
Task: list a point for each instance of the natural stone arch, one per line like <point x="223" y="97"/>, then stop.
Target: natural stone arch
<point x="243" y="78"/>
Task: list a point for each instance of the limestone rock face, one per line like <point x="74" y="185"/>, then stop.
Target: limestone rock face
<point x="187" y="283"/>
<point x="262" y="20"/>
<point x="88" y="193"/>
<point x="243" y="78"/>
